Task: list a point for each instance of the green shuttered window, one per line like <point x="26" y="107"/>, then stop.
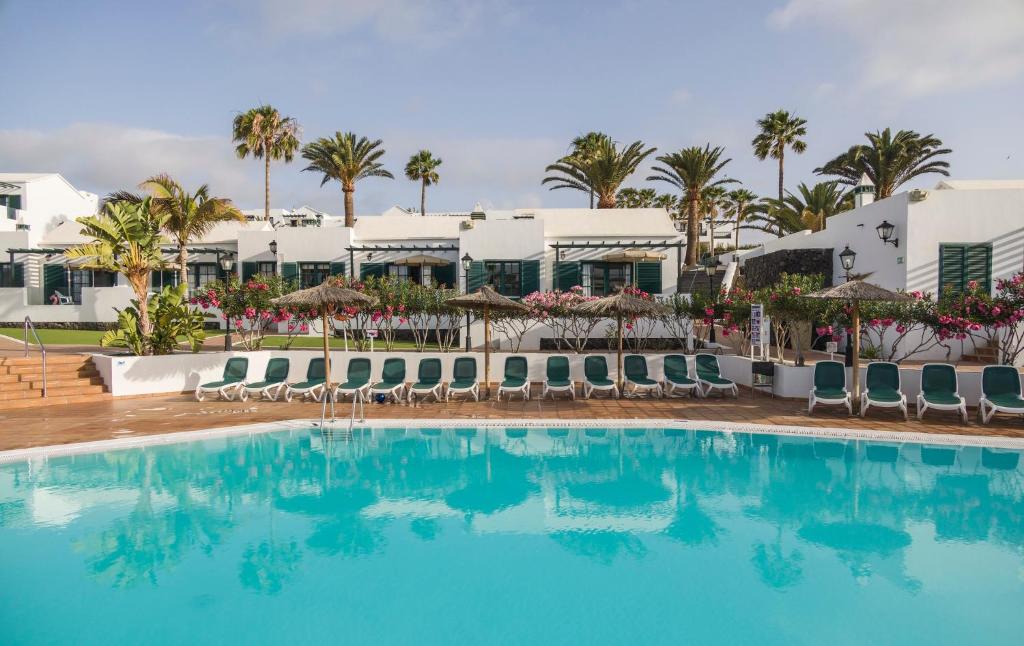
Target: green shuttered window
<point x="648" y="277"/>
<point x="568" y="276"/>
<point x="962" y="263"/>
<point x="368" y="269"/>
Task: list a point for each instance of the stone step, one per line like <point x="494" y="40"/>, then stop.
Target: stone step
<point x="30" y="372"/>
<point x="55" y="391"/>
<point x="60" y="383"/>
<point x="35" y="359"/>
<point x="53" y="400"/>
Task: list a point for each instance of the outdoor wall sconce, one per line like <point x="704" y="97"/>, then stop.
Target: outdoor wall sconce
<point x="885" y="231"/>
<point x="273" y="247"/>
<point x="227" y="263"/>
<point x="369" y="256"/>
<point x="846" y="258"/>
<point x="467" y="260"/>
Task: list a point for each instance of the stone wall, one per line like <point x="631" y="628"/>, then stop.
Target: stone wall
<point x="764" y="271"/>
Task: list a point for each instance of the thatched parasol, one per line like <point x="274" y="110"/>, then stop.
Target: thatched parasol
<point x="487" y="300"/>
<point x="617" y="306"/>
<point x="856" y="291"/>
<point x="326" y="299"/>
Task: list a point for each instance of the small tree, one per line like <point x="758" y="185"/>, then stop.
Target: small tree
<point x="247" y="307"/>
<point x="678" y="318"/>
<point x="557" y="310"/>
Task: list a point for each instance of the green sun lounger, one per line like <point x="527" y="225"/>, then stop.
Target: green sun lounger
<point x="314" y="384"/>
<point x="709" y="376"/>
<point x="464" y="380"/>
<point x="882" y="388"/>
<point x="392" y="380"/>
<point x="940" y="390"/>
<point x="829" y="387"/>
<point x="357" y="380"/>
<point x="677" y="376"/>
<point x="516" y="378"/>
<point x="1000" y="392"/>
<point x="428" y="380"/>
<point x="230" y="384"/>
<point x="595" y="377"/>
<point x="274" y="380"/>
<point x="637" y="380"/>
<point x="558" y="379"/>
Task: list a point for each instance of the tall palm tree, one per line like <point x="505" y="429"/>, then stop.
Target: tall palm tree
<point x="422" y="167"/>
<point x="188" y="216"/>
<point x="737" y="208"/>
<point x="346" y="159"/>
<point x="263" y="133"/>
<point x="808" y="208"/>
<point x="586" y="148"/>
<point x="712" y="203"/>
<point x="889" y="160"/>
<point x="779" y="130"/>
<point x="692" y="170"/>
<point x="602" y="171"/>
<point x="126" y="239"/>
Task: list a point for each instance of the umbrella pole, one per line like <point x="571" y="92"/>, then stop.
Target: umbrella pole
<point x="487" y="349"/>
<point x="856" y="356"/>
<point x="622" y="387"/>
<point x="327" y="372"/>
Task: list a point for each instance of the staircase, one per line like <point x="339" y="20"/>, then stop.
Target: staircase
<point x="70" y="379"/>
<point x="983" y="354"/>
<point x="695" y="281"/>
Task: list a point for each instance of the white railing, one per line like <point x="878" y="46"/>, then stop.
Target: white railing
<point x="42" y="348"/>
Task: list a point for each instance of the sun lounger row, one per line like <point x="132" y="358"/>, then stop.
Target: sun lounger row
<point x="515" y="381"/>
<point x="940" y="389"/>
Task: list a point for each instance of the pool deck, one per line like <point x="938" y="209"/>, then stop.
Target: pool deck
<point x="133" y="417"/>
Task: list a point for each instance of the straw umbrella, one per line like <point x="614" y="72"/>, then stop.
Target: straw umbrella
<point x="327" y="299"/>
<point x="619" y="305"/>
<point x="487" y="300"/>
<point x="855" y="291"/>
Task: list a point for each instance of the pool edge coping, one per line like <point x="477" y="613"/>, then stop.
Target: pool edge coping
<point x="141" y="441"/>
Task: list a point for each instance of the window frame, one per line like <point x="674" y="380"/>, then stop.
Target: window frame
<point x="315" y="269"/>
<point x="964" y="276"/>
<point x="501" y="285"/>
<point x="587" y="276"/>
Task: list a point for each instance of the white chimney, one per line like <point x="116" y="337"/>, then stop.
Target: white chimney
<point x="863" y="192"/>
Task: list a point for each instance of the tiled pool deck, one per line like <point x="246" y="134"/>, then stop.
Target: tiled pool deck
<point x="172" y="413"/>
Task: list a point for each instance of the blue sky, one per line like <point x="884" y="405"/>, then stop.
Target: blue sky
<point x="108" y="93"/>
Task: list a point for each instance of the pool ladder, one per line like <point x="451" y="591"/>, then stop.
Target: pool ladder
<point x="42" y="348"/>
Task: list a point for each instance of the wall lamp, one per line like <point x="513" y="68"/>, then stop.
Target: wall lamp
<point x="273" y="247"/>
<point x="885" y="233"/>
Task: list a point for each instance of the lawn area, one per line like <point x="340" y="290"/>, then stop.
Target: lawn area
<point x="68" y="337"/>
<point x="336" y="343"/>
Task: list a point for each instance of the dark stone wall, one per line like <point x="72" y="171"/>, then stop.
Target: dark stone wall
<point x="765" y="270"/>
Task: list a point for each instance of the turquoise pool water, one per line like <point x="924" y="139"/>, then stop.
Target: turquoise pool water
<point x="546" y="536"/>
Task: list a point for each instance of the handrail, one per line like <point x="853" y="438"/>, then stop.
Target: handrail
<point x="42" y="348"/>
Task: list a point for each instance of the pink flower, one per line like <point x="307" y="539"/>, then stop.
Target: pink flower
<point x="710" y="311"/>
<point x="900" y="329"/>
<point x="972" y="284"/>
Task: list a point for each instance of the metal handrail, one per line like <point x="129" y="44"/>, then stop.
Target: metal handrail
<point x="42" y="348"/>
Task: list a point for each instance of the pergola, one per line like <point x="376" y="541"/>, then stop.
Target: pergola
<point x="391" y="247"/>
<point x="625" y="244"/>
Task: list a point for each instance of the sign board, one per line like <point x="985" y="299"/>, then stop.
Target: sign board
<point x="759" y="332"/>
<point x="831" y="347"/>
<point x="372" y="334"/>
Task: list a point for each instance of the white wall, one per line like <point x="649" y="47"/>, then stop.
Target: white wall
<point x="97" y="306"/>
<point x="295" y="244"/>
<point x="49" y="200"/>
<point x="521" y="239"/>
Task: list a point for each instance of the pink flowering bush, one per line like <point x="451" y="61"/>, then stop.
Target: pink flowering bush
<point x="975" y="316"/>
<point x="556" y="310"/>
<point x="248" y="308"/>
<point x="792" y="314"/>
<point x="900" y="330"/>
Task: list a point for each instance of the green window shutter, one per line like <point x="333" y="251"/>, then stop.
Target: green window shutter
<point x="18" y="275"/>
<point x="569" y="275"/>
<point x="368" y="269"/>
<point x="445" y="275"/>
<point x="249" y="270"/>
<point x="951" y="267"/>
<point x="531" y="277"/>
<point x="978" y="265"/>
<point x="648" y="277"/>
<point x="55" y="278"/>
<point x="290" y="272"/>
<point x="337" y="269"/>
<point x="476" y="275"/>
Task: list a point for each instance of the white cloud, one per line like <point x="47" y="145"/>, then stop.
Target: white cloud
<point x="419" y="22"/>
<point x="913" y="48"/>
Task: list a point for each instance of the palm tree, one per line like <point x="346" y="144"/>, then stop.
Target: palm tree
<point x="712" y="203"/>
<point x="188" y="216"/>
<point x="601" y="171"/>
<point x="889" y="160"/>
<point x="263" y="133"/>
<point x="692" y="170"/>
<point x="779" y="130"/>
<point x="635" y="198"/>
<point x="126" y="239"/>
<point x="771" y="216"/>
<point x="422" y="167"/>
<point x="346" y="159"/>
<point x="808" y="208"/>
<point x="737" y="208"/>
<point x="586" y="148"/>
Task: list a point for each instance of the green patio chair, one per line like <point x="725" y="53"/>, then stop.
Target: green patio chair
<point x="274" y="380"/>
<point x="677" y="376"/>
<point x="558" y="378"/>
<point x="428" y="380"/>
<point x="940" y="390"/>
<point x="464" y="380"/>
<point x="709" y="376"/>
<point x="392" y="380"/>
<point x="829" y="386"/>
<point x="1000" y="392"/>
<point x="882" y="388"/>
<point x="516" y="378"/>
<point x="637" y="380"/>
<point x="357" y="380"/>
<point x="315" y="383"/>
<point x="230" y="384"/>
<point x="595" y="377"/>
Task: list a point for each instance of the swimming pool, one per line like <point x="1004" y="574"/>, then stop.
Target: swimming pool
<point x="451" y="535"/>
